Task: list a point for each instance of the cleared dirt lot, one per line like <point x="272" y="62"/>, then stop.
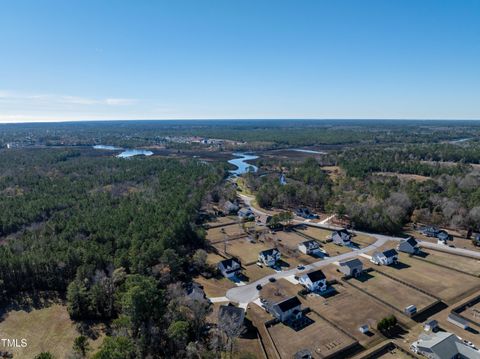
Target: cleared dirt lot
<point x="465" y="264"/>
<point x="391" y="291"/>
<point x="349" y="308"/>
<point x="442" y="282"/>
<point x="320" y="338"/>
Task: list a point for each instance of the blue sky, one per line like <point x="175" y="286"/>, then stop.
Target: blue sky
<point x="88" y="60"/>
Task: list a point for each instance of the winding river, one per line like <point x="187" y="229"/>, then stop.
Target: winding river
<point x="241" y="163"/>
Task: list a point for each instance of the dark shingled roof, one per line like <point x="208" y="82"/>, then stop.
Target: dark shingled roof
<point x="390" y="253"/>
<point x="352" y="263"/>
<point x="268" y="252"/>
<point x="229" y="262"/>
<point x="289" y="303"/>
<point x="316" y="276"/>
<point x="411" y="241"/>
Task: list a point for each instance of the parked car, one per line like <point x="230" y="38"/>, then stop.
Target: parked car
<point x="272" y="279"/>
<point x="259" y="286"/>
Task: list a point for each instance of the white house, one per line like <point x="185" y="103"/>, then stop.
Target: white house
<point x="314" y="281"/>
<point x="229" y="267"/>
<point x="287" y="310"/>
<point x="342" y="237"/>
<point x="269" y="257"/>
<point x="309" y="247"/>
<point x="409" y="245"/>
<point x="385" y="258"/>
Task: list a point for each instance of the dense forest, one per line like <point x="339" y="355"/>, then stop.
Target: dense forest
<point x="113" y="235"/>
<point x="258" y="133"/>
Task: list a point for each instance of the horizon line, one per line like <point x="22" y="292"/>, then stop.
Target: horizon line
<point x="235" y="119"/>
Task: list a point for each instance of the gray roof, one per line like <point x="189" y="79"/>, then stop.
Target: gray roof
<point x="446" y="346"/>
<point x="412" y="241"/>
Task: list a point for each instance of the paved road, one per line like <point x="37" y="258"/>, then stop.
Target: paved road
<point x="248" y="293"/>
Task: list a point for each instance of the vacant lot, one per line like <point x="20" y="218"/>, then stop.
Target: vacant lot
<point x="215" y="287"/>
<point x="320" y="338"/>
<point x="243" y="249"/>
<point x="465" y="264"/>
<point x="315" y="232"/>
<point x="254" y="272"/>
<point x="442" y="282"/>
<point x="220" y="233"/>
<point x="349" y="308"/>
<point x="289" y="239"/>
<point x="391" y="291"/>
<point x="47" y="329"/>
<point x="218" y="221"/>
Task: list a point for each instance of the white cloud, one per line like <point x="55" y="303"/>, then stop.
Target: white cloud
<point x="54" y="99"/>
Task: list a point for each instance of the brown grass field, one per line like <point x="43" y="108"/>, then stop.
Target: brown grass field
<point x="241" y="248"/>
<point x="391" y="291"/>
<point x="316" y="233"/>
<point x="219" y="233"/>
<point x="465" y="264"/>
<point x="349" y="308"/>
<point x="47" y="329"/>
<point x="444" y="283"/>
<point x="320" y="338"/>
